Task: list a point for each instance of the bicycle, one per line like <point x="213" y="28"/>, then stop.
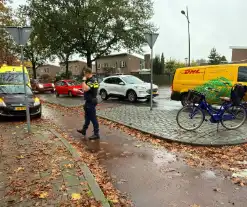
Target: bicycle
<point x="230" y="110"/>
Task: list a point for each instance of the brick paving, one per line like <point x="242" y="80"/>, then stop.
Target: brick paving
<point x="38" y="170"/>
<point x="163" y="123"/>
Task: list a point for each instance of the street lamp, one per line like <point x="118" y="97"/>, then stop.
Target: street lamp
<point x="186" y="14"/>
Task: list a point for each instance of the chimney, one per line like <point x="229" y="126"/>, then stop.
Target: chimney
<point x="147" y="61"/>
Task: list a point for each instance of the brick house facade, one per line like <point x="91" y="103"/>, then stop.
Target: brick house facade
<point x="47" y="69"/>
<point x="76" y="67"/>
<point x="239" y="54"/>
<point x="123" y="63"/>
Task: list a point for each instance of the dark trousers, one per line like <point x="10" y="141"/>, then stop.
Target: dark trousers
<point x="90" y="116"/>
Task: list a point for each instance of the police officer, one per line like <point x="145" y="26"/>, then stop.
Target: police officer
<point x="90" y="87"/>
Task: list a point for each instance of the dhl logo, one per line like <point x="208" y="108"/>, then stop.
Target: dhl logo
<point x="190" y="71"/>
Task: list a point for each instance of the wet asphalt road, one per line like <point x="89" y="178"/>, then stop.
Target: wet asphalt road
<point x="161" y="102"/>
<point x="151" y="176"/>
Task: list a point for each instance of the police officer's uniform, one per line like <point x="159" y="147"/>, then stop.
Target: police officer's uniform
<point x="90" y="97"/>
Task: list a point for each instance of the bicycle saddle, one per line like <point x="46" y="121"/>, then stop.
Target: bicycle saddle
<point x="225" y="99"/>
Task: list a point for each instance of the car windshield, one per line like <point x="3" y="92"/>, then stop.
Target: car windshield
<point x="73" y="83"/>
<point x="132" y="80"/>
<point x="12" y="78"/>
<point x="14" y="89"/>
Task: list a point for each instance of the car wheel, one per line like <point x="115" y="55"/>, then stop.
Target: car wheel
<point x="184" y="99"/>
<point x="131" y="95"/>
<point x="70" y="94"/>
<point x="52" y="91"/>
<point x="57" y="94"/>
<point x="103" y="95"/>
<point x="38" y="116"/>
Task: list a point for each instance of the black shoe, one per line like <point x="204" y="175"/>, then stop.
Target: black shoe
<point x="81" y="132"/>
<point x="94" y="137"/>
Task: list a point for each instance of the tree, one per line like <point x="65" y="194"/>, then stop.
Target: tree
<point x="96" y="28"/>
<point x="34" y="51"/>
<point x="8" y="53"/>
<point x="223" y="59"/>
<point x="214" y="57"/>
<point x="162" y="62"/>
<point x="156" y="65"/>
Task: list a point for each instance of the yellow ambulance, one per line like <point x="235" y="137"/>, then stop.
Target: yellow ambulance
<point x="13" y="75"/>
<point x="191" y="77"/>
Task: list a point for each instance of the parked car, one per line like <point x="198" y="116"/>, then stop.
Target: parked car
<point x="12" y="101"/>
<point x="42" y="86"/>
<point x="126" y="86"/>
<point x="68" y="87"/>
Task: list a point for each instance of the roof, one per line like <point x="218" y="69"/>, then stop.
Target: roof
<point x="118" y="55"/>
<point x="239" y="47"/>
<point x="212" y="66"/>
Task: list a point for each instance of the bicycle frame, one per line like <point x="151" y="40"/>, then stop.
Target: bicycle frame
<point x="216" y="115"/>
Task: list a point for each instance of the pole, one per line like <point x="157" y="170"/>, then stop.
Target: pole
<point x="188" y="32"/>
<point x="25" y="89"/>
<point x="151" y="75"/>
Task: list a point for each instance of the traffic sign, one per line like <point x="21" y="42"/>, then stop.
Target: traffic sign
<point x="20" y="34"/>
<point x="151" y="38"/>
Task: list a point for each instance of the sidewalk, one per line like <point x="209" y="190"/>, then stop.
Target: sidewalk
<point x="42" y="169"/>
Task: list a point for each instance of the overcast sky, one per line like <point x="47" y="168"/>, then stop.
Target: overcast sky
<point x="214" y="23"/>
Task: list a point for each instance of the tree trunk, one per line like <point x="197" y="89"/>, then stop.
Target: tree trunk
<point x="89" y="60"/>
<point x="67" y="68"/>
<point x="34" y="71"/>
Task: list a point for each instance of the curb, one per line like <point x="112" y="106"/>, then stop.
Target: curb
<point x="70" y="106"/>
<point x="172" y="140"/>
<point x="93" y="185"/>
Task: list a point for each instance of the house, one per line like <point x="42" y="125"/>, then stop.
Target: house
<point x="76" y="67"/>
<point x="239" y="54"/>
<point x="47" y="69"/>
<point x="123" y="63"/>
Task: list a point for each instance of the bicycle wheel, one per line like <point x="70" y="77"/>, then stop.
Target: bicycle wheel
<point x="190" y="118"/>
<point x="234" y="117"/>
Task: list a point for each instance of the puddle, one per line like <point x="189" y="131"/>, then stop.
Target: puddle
<point x="161" y="157"/>
<point x="208" y="174"/>
<point x="240" y="174"/>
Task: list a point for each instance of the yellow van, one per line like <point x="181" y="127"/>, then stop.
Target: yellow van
<point x="191" y="77"/>
<point x="13" y="75"/>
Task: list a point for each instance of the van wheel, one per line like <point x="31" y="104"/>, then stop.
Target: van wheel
<point x="184" y="99"/>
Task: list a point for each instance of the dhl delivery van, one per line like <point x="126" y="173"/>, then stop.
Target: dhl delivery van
<point x="191" y="77"/>
<point x="13" y="75"/>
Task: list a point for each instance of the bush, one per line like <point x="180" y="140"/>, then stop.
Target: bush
<point x="218" y="84"/>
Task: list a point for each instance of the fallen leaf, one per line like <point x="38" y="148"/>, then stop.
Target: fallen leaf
<point x="75" y="196"/>
<point x="68" y="165"/>
<point x="19" y="169"/>
<point x="138" y="145"/>
<point x="195" y="205"/>
<point x="43" y="195"/>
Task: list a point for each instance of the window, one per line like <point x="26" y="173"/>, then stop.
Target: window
<point x="242" y="74"/>
<point x="117" y="81"/>
<point x="122" y="64"/>
<point x="106" y="65"/>
<point x="63" y="83"/>
<point x="12" y="77"/>
<point x="109" y="80"/>
<point x="132" y="80"/>
<point x="46" y="70"/>
<point x="99" y="66"/>
<point x="15" y="89"/>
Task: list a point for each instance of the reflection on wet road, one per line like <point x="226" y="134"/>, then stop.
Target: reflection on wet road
<point x="152" y="176"/>
<point x="161" y="102"/>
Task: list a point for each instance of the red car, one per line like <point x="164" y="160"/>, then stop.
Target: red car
<point x="42" y="86"/>
<point x="68" y="87"/>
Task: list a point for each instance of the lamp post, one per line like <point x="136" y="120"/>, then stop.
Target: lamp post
<point x="186" y="14"/>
